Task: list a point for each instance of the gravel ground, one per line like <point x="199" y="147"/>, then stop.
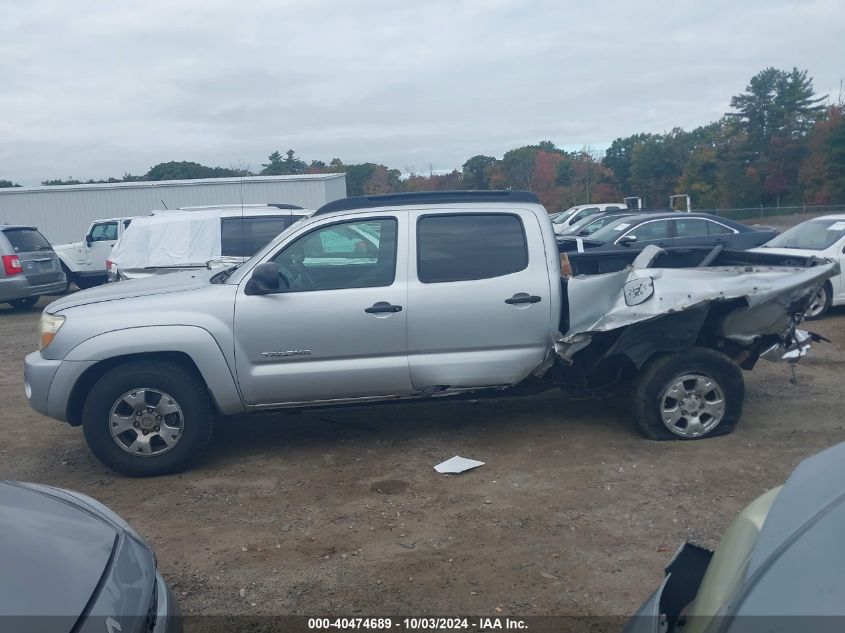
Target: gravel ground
<point x="341" y="512"/>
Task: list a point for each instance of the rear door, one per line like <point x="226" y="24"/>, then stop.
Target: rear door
<point x="701" y="232"/>
<point x="479" y="308"/>
<point x="39" y="263"/>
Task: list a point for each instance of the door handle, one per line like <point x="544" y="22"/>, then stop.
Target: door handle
<point x="382" y="306"/>
<point x="522" y="297"/>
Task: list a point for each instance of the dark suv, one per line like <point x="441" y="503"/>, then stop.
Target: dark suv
<point x="30" y="267"/>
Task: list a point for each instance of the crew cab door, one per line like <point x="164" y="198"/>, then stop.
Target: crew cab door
<point x="338" y="331"/>
<point x="479" y="310"/>
<point x="98" y="244"/>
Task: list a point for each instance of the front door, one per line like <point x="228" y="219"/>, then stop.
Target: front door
<point x="338" y="332"/>
<point x="479" y="305"/>
<point x="102" y="237"/>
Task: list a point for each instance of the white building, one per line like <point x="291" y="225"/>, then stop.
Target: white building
<point x="64" y="212"/>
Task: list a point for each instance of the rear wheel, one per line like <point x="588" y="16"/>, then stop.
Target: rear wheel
<point x="147" y="418"/>
<point x="24" y="304"/>
<point x="687" y="396"/>
<point x="820" y="303"/>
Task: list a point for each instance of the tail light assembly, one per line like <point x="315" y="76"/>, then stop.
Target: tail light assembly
<point x="12" y="265"/>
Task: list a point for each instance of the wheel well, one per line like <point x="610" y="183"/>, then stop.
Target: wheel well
<point x="91" y="375"/>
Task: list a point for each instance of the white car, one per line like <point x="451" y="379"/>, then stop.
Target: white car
<point x="170" y="241"/>
<point x="84" y="263"/>
<point x="820" y="237"/>
<point x="563" y="220"/>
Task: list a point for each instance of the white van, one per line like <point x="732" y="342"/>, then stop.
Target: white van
<point x="170" y="241"/>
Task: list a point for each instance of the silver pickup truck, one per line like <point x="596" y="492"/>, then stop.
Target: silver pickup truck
<point x="412" y="296"/>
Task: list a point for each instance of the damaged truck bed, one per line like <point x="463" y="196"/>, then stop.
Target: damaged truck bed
<point x="743" y="306"/>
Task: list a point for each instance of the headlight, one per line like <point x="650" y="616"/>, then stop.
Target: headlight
<point x="47" y="328"/>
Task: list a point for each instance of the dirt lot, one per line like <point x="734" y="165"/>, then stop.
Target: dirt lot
<point x="341" y="512"/>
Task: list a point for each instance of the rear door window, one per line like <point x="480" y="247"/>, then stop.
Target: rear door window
<point x="692" y="227"/>
<point x="27" y="240"/>
<point x="244" y="237"/>
<point x="469" y="246"/>
<point x="714" y="228"/>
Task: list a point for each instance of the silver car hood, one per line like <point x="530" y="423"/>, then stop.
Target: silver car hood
<point x="155" y="285"/>
<point x="54" y="554"/>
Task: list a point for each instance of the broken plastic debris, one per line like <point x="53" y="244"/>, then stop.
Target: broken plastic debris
<point x="457" y="464"/>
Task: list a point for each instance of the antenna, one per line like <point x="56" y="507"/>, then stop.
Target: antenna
<point x="164" y="205"/>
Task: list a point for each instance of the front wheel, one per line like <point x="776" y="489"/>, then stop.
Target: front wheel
<point x="147" y="418"/>
<point x="690" y="395"/>
<point x="24" y="304"/>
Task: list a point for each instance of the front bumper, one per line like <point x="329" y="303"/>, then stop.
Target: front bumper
<point x="48" y="384"/>
<point x="168" y="614"/>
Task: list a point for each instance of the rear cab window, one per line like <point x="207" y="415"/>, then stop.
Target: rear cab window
<point x="244" y="237"/>
<point x="27" y="240"/>
<point x="469" y="246"/>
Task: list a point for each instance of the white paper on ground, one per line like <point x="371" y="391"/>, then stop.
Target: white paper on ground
<point x="457" y="464"/>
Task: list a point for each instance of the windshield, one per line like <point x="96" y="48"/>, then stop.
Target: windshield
<point x="564" y="216"/>
<point x="611" y="231"/>
<point x="589" y="225"/>
<point x="813" y="235"/>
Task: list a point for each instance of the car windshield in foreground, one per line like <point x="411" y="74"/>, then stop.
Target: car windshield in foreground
<point x="813" y="235"/>
<point x="611" y="231"/>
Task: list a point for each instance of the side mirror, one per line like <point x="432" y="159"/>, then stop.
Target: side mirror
<point x="88" y="241"/>
<point x="265" y="280"/>
<point x="627" y="239"/>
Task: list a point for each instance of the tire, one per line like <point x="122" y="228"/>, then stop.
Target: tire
<point x="68" y="277"/>
<point x="25" y="303"/>
<point x="702" y="411"/>
<point x="820" y="304"/>
<point x="189" y="428"/>
<point x="83" y="283"/>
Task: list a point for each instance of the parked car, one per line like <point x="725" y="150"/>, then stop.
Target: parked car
<point x="172" y="241"/>
<point x="565" y="219"/>
<point x="84" y="263"/>
<point x="671" y="228"/>
<point x="592" y="223"/>
<point x="30" y="266"/>
<point x="778" y="567"/>
<point x="820" y="237"/>
<point x="451" y="294"/>
<point x="72" y="564"/>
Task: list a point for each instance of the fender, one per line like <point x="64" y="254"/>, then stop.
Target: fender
<point x="66" y="256"/>
<point x="193" y="341"/>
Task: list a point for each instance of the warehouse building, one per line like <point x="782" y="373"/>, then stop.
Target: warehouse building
<point x="63" y="213"/>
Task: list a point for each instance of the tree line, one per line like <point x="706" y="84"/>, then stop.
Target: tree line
<point x="779" y="144"/>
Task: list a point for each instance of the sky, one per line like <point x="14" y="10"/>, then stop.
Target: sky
<point x="98" y="89"/>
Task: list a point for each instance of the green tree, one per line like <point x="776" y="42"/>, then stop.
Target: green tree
<point x="7" y="183"/>
<point x="189" y="170"/>
<point x="474" y="171"/>
<point x="279" y="166"/>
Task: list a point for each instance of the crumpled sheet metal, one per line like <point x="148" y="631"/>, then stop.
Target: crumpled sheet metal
<point x="597" y="302"/>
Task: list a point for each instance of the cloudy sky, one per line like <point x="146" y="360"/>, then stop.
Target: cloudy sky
<point x="97" y="89"/>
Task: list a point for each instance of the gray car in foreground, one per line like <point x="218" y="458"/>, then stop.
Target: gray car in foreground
<point x="30" y="268"/>
<point x="411" y="297"/>
<point x="69" y="564"/>
<point x="779" y="566"/>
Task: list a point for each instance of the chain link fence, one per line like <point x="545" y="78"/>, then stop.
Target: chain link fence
<point x="761" y="212"/>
